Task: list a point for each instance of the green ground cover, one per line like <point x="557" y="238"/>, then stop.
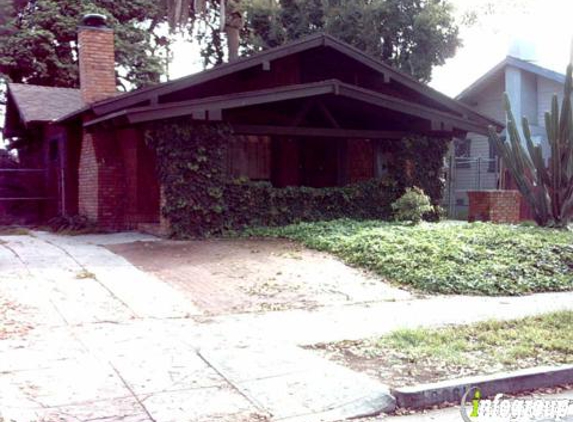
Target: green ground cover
<point x="446" y="257"/>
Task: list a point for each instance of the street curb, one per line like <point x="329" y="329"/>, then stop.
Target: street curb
<point x="427" y="395"/>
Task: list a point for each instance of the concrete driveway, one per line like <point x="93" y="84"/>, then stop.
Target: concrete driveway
<point x="86" y="335"/>
<point x="232" y="276"/>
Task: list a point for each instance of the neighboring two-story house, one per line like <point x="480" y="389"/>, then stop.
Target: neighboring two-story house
<point x="530" y="88"/>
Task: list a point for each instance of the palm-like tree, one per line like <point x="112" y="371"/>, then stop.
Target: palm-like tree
<point x="179" y="12"/>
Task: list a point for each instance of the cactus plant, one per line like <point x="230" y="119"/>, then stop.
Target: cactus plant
<point x="546" y="186"/>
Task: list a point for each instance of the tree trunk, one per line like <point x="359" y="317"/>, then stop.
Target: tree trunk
<point x="231" y="24"/>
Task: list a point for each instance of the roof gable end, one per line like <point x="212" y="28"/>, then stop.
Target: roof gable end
<point x="148" y="96"/>
<point x="494" y="72"/>
<point x="28" y="104"/>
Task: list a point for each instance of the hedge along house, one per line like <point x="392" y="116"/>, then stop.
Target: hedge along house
<point x="312" y="129"/>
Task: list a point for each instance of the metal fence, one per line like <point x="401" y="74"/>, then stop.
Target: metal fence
<point x="22" y="195"/>
<point x="466" y="174"/>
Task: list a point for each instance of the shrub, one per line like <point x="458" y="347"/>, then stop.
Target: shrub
<point x="76" y="224"/>
<point x="260" y="204"/>
<point x="412" y="206"/>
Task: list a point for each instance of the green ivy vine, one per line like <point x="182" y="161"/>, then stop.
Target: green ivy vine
<point x="201" y="201"/>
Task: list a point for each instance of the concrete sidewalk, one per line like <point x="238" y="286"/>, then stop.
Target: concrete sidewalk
<point x="93" y="337"/>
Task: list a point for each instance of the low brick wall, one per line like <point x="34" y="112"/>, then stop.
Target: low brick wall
<point x="498" y="206"/>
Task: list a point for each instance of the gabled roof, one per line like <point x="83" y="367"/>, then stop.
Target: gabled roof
<point x="212" y="107"/>
<point x="500" y="67"/>
<point x="149" y="95"/>
<point x="42" y="103"/>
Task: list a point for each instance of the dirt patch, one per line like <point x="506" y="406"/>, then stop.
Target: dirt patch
<point x="407" y="357"/>
<point x="392" y="368"/>
<point x="232" y="276"/>
<point x="396" y="372"/>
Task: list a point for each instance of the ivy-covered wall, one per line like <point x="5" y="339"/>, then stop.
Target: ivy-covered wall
<point x="199" y="199"/>
<point x="419" y="161"/>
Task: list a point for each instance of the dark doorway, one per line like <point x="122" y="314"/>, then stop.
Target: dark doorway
<point x="319" y="162"/>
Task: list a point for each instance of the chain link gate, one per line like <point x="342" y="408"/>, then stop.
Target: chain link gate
<point x="23" y="195"/>
<point x="467" y="174"/>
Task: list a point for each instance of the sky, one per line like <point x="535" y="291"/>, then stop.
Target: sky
<point x="543" y="26"/>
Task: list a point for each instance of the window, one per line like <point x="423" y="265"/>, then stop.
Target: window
<point x="463" y="149"/>
<point x="249" y="156"/>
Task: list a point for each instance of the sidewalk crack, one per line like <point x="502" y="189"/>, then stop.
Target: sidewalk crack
<point x="19" y="258"/>
<point x="128" y="387"/>
<point x="259" y="406"/>
<point x="84" y="268"/>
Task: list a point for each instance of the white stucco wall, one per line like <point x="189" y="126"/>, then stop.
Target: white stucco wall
<point x="489" y="101"/>
<point x="529" y="95"/>
<point x="546" y="89"/>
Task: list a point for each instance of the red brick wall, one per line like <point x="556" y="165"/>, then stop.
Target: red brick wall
<point x="102" y="190"/>
<point x="499" y="206"/>
<point x="88" y="179"/>
<point x="97" y="63"/>
<point x="118" y="187"/>
<point x="525" y="212"/>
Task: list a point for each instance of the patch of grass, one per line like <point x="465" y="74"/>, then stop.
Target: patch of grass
<point x="545" y="339"/>
<point x="427" y="355"/>
<point x="447" y="257"/>
<point x="14" y="231"/>
<point x="84" y="274"/>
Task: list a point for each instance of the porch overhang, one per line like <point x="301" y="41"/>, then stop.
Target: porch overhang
<point x="217" y="108"/>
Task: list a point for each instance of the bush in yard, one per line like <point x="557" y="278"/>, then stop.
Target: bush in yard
<point x="75" y="224"/>
<point x="412" y="206"/>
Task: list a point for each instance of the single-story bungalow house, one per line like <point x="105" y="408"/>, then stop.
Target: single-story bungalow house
<point x="315" y="113"/>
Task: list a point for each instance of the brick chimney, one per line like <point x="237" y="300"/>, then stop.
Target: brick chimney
<point x="97" y="59"/>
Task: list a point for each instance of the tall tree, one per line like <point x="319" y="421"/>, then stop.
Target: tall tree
<point x="38" y="41"/>
<point x="216" y="17"/>
<point x="413" y="35"/>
